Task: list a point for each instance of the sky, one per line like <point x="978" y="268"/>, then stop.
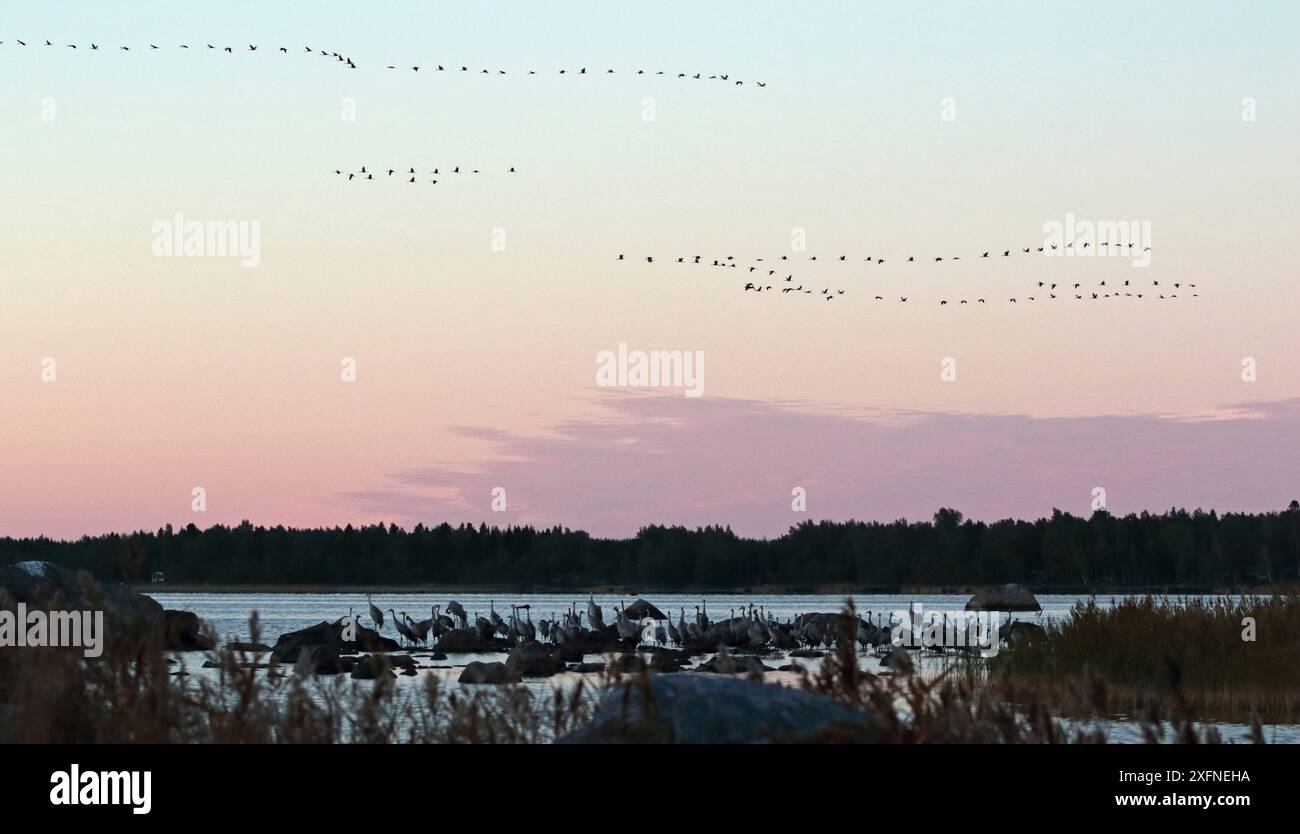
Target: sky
<point x="474" y="310"/>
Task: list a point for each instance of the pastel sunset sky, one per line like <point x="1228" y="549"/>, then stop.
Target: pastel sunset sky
<point x="889" y="130"/>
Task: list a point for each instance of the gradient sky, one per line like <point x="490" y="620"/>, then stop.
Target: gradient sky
<point x="476" y="368"/>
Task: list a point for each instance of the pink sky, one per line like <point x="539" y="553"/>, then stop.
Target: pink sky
<point x="475" y="360"/>
<point x="671" y="460"/>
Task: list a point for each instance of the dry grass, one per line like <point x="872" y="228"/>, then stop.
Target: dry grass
<point x="1184" y="657"/>
<point x="131" y="695"/>
<point x="963" y="704"/>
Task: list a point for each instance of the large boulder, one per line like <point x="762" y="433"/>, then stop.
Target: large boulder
<point x="641" y="609"/>
<point x="48" y="587"/>
<point x="1006" y="598"/>
<point x="183" y="631"/>
<point x="480" y="672"/>
<point x="290" y="645"/>
<point x="700" y="709"/>
<point x="532" y="660"/>
<point x="367" y="640"/>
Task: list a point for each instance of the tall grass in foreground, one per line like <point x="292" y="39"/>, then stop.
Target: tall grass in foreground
<point x="132" y="694"/>
<point x="1182" y="656"/>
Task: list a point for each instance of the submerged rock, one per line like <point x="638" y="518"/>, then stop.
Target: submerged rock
<point x="256" y="648"/>
<point x="480" y="672"/>
<point x="695" y="709"/>
<point x="368" y="667"/>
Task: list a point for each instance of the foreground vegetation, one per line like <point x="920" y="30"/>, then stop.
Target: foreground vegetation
<point x="133" y="694"/>
<point x="1196" y="549"/>
<point x="1213" y="659"/>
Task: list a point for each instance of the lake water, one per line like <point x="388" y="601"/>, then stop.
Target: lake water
<point x="279" y="613"/>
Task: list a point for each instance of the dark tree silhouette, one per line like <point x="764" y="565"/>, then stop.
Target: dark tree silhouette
<point x="1176" y="548"/>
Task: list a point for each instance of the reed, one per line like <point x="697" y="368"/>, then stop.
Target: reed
<point x="1192" y="657"/>
<point x="134" y="694"/>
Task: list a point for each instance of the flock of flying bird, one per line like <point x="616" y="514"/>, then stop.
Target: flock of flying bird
<point x="348" y="62"/>
<point x="365" y="174"/>
<point x="764" y="270"/>
<point x="749" y="626"/>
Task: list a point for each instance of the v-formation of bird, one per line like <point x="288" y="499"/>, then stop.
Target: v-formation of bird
<point x="340" y="58"/>
<point x="762" y="270"/>
<point x="408" y="174"/>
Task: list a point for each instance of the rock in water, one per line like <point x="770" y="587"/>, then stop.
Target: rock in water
<point x="697" y="709"/>
<point x="369" y="667"/>
<point x="480" y="672"/>
<point x="291" y="644"/>
<point x="46" y="586"/>
<point x="532" y="660"/>
<point x="1006" y="598"/>
<point x="183" y="631"/>
<point x="727" y="664"/>
<point x="641" y="609"/>
<point x="463" y="641"/>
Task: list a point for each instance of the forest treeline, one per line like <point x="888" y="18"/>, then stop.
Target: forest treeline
<point x="1177" y="548"/>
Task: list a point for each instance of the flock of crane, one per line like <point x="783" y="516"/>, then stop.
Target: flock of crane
<point x="764" y="270"/>
<point x="749" y="626"/>
<point x="349" y="63"/>
<point x="365" y="174"/>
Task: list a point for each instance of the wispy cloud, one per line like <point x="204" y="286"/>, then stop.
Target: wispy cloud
<point x="657" y="459"/>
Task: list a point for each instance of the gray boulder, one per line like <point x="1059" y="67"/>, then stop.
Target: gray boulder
<point x="46" y="586"/>
<point x="699" y="709"/>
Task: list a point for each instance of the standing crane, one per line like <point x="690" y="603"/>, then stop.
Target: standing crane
<point x="593" y="613"/>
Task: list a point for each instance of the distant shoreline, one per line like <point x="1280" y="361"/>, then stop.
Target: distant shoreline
<point x="829" y="590"/>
